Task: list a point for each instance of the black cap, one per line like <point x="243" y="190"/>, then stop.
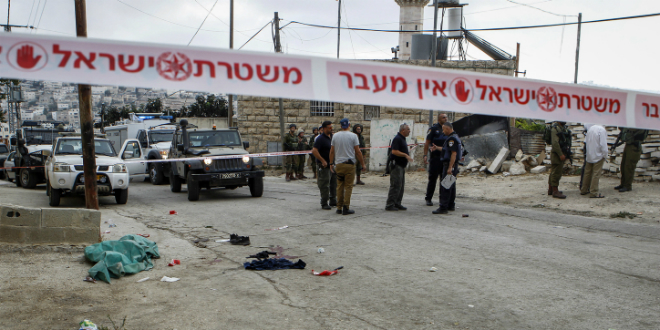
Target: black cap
<point x="326" y="124"/>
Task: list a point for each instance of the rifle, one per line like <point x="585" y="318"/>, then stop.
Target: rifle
<point x="617" y="143"/>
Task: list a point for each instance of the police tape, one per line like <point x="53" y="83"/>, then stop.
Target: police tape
<point x="221" y="157"/>
<point x="103" y="62"/>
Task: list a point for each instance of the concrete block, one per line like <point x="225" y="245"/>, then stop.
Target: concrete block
<point x="473" y="164"/>
<point x="519" y="154"/>
<point x="11" y="215"/>
<point x="538" y="169"/>
<point x="655" y="154"/>
<point x="485" y="145"/>
<point x="31" y="235"/>
<point x="644" y="163"/>
<point x="656" y="177"/>
<point x="77" y="218"/>
<point x="483" y="169"/>
<point x="507" y="165"/>
<point x="517" y="169"/>
<point x="497" y="162"/>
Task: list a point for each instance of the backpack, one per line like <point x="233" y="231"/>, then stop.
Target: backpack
<point x="547" y="134"/>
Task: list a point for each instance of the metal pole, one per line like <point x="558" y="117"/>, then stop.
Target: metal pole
<point x="434" y="51"/>
<point x="338" y="27"/>
<point x="277" y="44"/>
<point x="8" y="27"/>
<point x="577" y="51"/>
<point x="230" y="98"/>
<point x="103" y="117"/>
<point x="86" y="120"/>
<point x="517" y="59"/>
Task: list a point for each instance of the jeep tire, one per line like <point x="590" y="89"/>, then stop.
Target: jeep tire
<point x="155" y="174"/>
<point x="121" y="196"/>
<point x="28" y="179"/>
<point x="256" y="186"/>
<point x="193" y="188"/>
<point x="175" y="182"/>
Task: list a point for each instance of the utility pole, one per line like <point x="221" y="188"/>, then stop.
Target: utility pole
<point x="103" y="117"/>
<point x="517" y="59"/>
<point x="86" y="120"/>
<point x="278" y="49"/>
<point x="230" y="97"/>
<point x="577" y="51"/>
<point x="8" y="27"/>
<point x="338" y="27"/>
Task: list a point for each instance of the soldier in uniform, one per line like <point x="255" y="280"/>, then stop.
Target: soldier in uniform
<point x="290" y="143"/>
<point x="632" y="152"/>
<point x="357" y="129"/>
<point x="557" y="158"/>
<point x="310" y="147"/>
<point x="435" y="138"/>
<point x="302" y="146"/>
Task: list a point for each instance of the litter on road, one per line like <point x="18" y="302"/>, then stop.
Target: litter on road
<point x="142" y="280"/>
<point x="173" y="212"/>
<point x="89" y="279"/>
<point x="321" y="250"/>
<point x="433" y="269"/>
<point x="130" y="254"/>
<point x="279" y="228"/>
<point x="87" y="325"/>
<point x="239" y="240"/>
<point x="327" y="272"/>
<point x="144" y="235"/>
<point x="169" y="279"/>
<point x="262" y="255"/>
<point x="174" y="262"/>
<point x="274" y="264"/>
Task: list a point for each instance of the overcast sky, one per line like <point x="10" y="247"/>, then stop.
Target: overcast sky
<point x="621" y="54"/>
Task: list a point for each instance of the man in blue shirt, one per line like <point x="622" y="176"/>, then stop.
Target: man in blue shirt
<point x="451" y="154"/>
<point x="435" y="138"/>
<point x="327" y="180"/>
<point x="401" y="157"/>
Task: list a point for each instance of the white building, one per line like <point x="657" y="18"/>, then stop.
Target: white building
<point x="4" y="130"/>
<point x="29" y="96"/>
<point x="411" y="18"/>
<point x="63" y="106"/>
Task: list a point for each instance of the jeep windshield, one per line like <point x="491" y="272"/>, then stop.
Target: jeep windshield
<point x="160" y="136"/>
<point x="40" y="136"/>
<point x="214" y="139"/>
<point x="3" y="149"/>
<point x="74" y="147"/>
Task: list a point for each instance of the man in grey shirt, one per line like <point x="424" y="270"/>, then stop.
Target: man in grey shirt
<point x="345" y="148"/>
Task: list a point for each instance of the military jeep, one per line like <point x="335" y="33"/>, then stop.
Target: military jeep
<point x="202" y="158"/>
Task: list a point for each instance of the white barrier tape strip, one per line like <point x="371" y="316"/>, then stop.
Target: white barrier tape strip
<point x="102" y="62"/>
<point x="261" y="155"/>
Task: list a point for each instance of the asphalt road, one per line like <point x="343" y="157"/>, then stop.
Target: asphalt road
<point x="500" y="268"/>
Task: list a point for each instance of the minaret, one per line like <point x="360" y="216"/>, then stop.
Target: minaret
<point x="411" y="18"/>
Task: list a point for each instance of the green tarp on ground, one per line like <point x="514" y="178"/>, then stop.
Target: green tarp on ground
<point x="131" y="254"/>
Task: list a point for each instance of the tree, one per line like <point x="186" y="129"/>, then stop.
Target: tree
<point x="208" y="106"/>
<point x="2" y="116"/>
<point x="108" y="92"/>
<point x="154" y="105"/>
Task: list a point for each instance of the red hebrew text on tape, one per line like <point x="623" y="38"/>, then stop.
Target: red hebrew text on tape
<point x="101" y="62"/>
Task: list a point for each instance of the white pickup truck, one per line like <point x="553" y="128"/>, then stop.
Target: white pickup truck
<point x="64" y="168"/>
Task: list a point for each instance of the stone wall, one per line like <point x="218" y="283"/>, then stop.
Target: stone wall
<point x="258" y="117"/>
<point x="25" y="225"/>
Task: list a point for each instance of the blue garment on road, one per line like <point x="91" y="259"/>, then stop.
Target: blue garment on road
<point x="274" y="264"/>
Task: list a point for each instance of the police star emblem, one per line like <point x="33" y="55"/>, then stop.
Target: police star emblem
<point x="451" y="143"/>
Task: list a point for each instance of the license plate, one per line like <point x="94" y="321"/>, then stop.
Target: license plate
<point x="230" y="175"/>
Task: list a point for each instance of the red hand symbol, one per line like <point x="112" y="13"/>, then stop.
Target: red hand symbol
<point x="25" y="57"/>
<point x="461" y="93"/>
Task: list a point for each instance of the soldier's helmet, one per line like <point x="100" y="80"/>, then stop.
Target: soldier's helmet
<point x="292" y="125"/>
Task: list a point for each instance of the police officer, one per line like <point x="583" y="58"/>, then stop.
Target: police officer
<point x="290" y="143"/>
<point x="401" y="157"/>
<point x="310" y="147"/>
<point x="632" y="152"/>
<point x="436" y="138"/>
<point x="302" y="146"/>
<point x="451" y="154"/>
<point x="560" y="147"/>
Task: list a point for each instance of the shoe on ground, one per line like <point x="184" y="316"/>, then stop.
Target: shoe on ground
<point x="624" y="189"/>
<point x="333" y="203"/>
<point x="618" y="187"/>
<point x="326" y="207"/>
<point x="360" y="183"/>
<point x="339" y="211"/>
<point x="346" y="211"/>
<point x="429" y="203"/>
<point x="440" y="211"/>
<point x="391" y="208"/>
<point x="401" y="207"/>
<point x="451" y="209"/>
<point x="239" y="240"/>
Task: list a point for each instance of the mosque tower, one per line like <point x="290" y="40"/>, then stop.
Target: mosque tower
<point x="411" y="18"/>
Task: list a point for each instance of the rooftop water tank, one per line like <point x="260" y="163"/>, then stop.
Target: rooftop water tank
<point x="454" y="20"/>
<point x="422" y="44"/>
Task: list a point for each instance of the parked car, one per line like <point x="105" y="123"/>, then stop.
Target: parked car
<point x="192" y="151"/>
<point x="64" y="168"/>
<point x="9" y="174"/>
<point x="4" y="152"/>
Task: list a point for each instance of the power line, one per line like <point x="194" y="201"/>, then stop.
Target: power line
<point x="543" y="10"/>
<point x="200" y="26"/>
<point x="168" y="21"/>
<point x="484" y="29"/>
<point x="43" y="9"/>
<point x="30" y="16"/>
<point x="256" y="34"/>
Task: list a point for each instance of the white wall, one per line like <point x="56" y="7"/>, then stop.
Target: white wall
<point x="383" y="131"/>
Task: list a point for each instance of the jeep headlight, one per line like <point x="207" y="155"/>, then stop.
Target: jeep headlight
<point x="208" y="161"/>
<point x="164" y="154"/>
<point x="246" y="159"/>
<point x="119" y="168"/>
<point x="61" y="167"/>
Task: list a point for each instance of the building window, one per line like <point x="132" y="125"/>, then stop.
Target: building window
<point x="371" y="112"/>
<point x="321" y="109"/>
<point x="415" y="27"/>
<point x="406" y="44"/>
